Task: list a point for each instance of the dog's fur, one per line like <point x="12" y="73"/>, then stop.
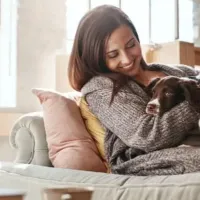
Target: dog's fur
<point x="169" y="91"/>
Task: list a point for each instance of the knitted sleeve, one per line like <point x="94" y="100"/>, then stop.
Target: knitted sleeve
<point x="126" y="117"/>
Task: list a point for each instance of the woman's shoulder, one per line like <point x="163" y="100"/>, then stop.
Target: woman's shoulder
<point x="97" y="83"/>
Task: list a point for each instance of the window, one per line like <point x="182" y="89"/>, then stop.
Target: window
<point x="186" y="20"/>
<point x="171" y="19"/>
<point x="95" y="3"/>
<point x="74" y="14"/>
<point x="138" y="11"/>
<point x="163" y="21"/>
<point x="8" y="53"/>
<point x="75" y="11"/>
<point x="156" y="21"/>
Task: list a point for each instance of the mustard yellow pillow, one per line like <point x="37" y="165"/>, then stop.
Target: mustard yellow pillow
<point x="93" y="126"/>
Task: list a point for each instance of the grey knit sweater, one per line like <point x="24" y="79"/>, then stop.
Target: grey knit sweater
<point x="140" y="144"/>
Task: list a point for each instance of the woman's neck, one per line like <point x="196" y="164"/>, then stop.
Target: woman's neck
<point x="145" y="76"/>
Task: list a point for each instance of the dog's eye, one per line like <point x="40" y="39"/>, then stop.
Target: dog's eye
<point x="169" y="94"/>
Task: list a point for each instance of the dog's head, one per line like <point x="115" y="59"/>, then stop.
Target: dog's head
<point x="169" y="91"/>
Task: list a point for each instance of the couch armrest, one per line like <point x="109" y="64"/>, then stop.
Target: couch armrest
<point x="28" y="138"/>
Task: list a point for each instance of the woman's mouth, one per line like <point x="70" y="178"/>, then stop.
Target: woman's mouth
<point x="128" y="66"/>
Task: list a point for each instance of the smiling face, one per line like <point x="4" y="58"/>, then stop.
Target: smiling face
<point x="123" y="52"/>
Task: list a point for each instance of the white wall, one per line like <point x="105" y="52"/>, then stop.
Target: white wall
<point x="7" y="120"/>
<point x="62" y="84"/>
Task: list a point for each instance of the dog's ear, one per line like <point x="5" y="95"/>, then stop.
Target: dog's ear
<point x="196" y="78"/>
<point x="150" y="86"/>
<point x="189" y="88"/>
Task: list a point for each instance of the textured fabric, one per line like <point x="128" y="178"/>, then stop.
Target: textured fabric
<point x="138" y="143"/>
<point x="69" y="143"/>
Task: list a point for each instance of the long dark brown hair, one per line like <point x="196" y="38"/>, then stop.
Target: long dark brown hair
<point x="88" y="52"/>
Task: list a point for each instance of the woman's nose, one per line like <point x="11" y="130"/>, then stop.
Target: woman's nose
<point x="125" y="59"/>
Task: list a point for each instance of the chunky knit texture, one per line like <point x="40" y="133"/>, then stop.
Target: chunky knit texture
<point x="140" y="144"/>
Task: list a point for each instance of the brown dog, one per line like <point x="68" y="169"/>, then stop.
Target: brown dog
<point x="169" y="91"/>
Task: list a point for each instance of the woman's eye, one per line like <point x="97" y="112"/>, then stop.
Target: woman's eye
<point x="130" y="44"/>
<point x="112" y="55"/>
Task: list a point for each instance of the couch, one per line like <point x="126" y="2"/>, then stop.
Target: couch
<point x="32" y="171"/>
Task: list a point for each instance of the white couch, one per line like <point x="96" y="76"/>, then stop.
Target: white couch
<point x="32" y="171"/>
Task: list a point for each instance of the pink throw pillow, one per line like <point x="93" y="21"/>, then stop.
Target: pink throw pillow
<point x="69" y="143"/>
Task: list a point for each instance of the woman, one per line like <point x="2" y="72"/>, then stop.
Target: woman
<point x="106" y="64"/>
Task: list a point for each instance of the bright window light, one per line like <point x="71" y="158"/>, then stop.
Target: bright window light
<point x="8" y="21"/>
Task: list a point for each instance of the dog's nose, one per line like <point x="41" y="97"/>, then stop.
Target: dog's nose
<point x="151" y="107"/>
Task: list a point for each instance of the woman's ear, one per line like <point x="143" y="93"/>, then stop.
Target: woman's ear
<point x="150" y="86"/>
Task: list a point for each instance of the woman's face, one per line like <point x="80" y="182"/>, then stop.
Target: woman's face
<point x="123" y="52"/>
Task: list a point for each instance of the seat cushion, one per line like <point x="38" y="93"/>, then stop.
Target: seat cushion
<point x="70" y="145"/>
<point x="34" y="178"/>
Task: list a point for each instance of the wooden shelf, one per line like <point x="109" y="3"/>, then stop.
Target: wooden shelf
<point x="177" y="52"/>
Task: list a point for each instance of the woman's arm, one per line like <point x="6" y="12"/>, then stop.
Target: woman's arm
<point x="126" y="117"/>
